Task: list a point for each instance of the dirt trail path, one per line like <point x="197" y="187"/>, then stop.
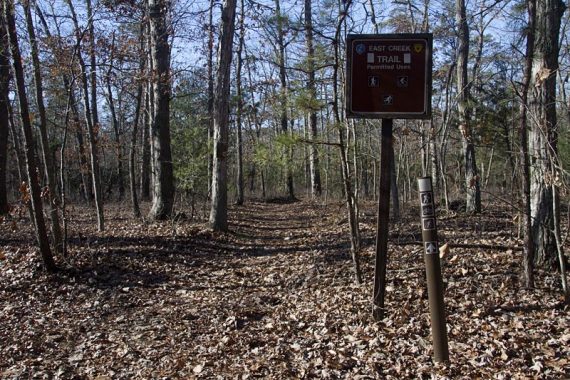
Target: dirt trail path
<point x="170" y="299"/>
<point x="274" y="298"/>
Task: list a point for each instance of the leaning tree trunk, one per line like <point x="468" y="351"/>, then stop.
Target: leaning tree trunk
<point x="163" y="179"/>
<point x="31" y="165"/>
<point x="544" y="129"/>
<point x="52" y="200"/>
<point x="472" y="187"/>
<point x="219" y="207"/>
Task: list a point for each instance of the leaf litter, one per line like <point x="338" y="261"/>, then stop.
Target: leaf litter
<point x="273" y="298"/>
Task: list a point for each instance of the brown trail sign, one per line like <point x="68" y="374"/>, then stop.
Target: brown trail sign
<point x="389" y="77"/>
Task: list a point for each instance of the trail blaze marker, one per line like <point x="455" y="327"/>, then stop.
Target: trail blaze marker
<point x="389" y="76"/>
<point x="433" y="272"/>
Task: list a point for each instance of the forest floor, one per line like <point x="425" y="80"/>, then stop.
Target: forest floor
<point x="273" y="298"/>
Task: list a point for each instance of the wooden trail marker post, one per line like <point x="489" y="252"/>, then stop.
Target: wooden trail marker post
<point x="433" y="271"/>
<point x="389" y="76"/>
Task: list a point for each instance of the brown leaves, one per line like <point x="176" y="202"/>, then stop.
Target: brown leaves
<point x="273" y="299"/>
<point x="444" y="251"/>
<point x="25" y="192"/>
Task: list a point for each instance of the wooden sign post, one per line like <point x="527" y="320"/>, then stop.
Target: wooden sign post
<point x="389" y="77"/>
<point x="382" y="221"/>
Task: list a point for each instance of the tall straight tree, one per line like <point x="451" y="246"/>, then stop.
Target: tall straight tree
<point x="219" y="207"/>
<point x="31" y="164"/>
<point x="4" y="118"/>
<point x="543" y="139"/>
<point x="47" y="153"/>
<point x="136" y="121"/>
<point x="163" y="177"/>
<point x="109" y="77"/>
<point x="239" y="111"/>
<point x="315" y="170"/>
<point x="283" y="93"/>
<point x="210" y="73"/>
<point x="528" y="246"/>
<point x="472" y="187"/>
<point x="148" y="112"/>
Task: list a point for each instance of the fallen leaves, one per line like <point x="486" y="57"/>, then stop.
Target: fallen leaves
<point x="444" y="251"/>
<point x="274" y="299"/>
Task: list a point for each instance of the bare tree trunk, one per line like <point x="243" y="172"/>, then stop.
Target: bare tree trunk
<point x="434" y="164"/>
<point x="560" y="244"/>
<point x="114" y="119"/>
<point x="68" y="111"/>
<point x="257" y="125"/>
<point x="472" y="187"/>
<point x="163" y="182"/>
<point x="219" y="208"/>
<point x="146" y="172"/>
<point x="314" y="167"/>
<point x="134" y="133"/>
<point x="87" y="191"/>
<point x="528" y="246"/>
<point x="283" y="96"/>
<point x="31" y="166"/>
<point x="145" y="164"/>
<point x="132" y="154"/>
<point x="210" y="67"/>
<point x="4" y="119"/>
<point x="84" y="167"/>
<point x="91" y="120"/>
<point x="95" y="117"/>
<point x="16" y="140"/>
<point x="544" y="130"/>
<point x="239" y="143"/>
<point x="348" y="191"/>
<point x="52" y="199"/>
<point x="17" y="146"/>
